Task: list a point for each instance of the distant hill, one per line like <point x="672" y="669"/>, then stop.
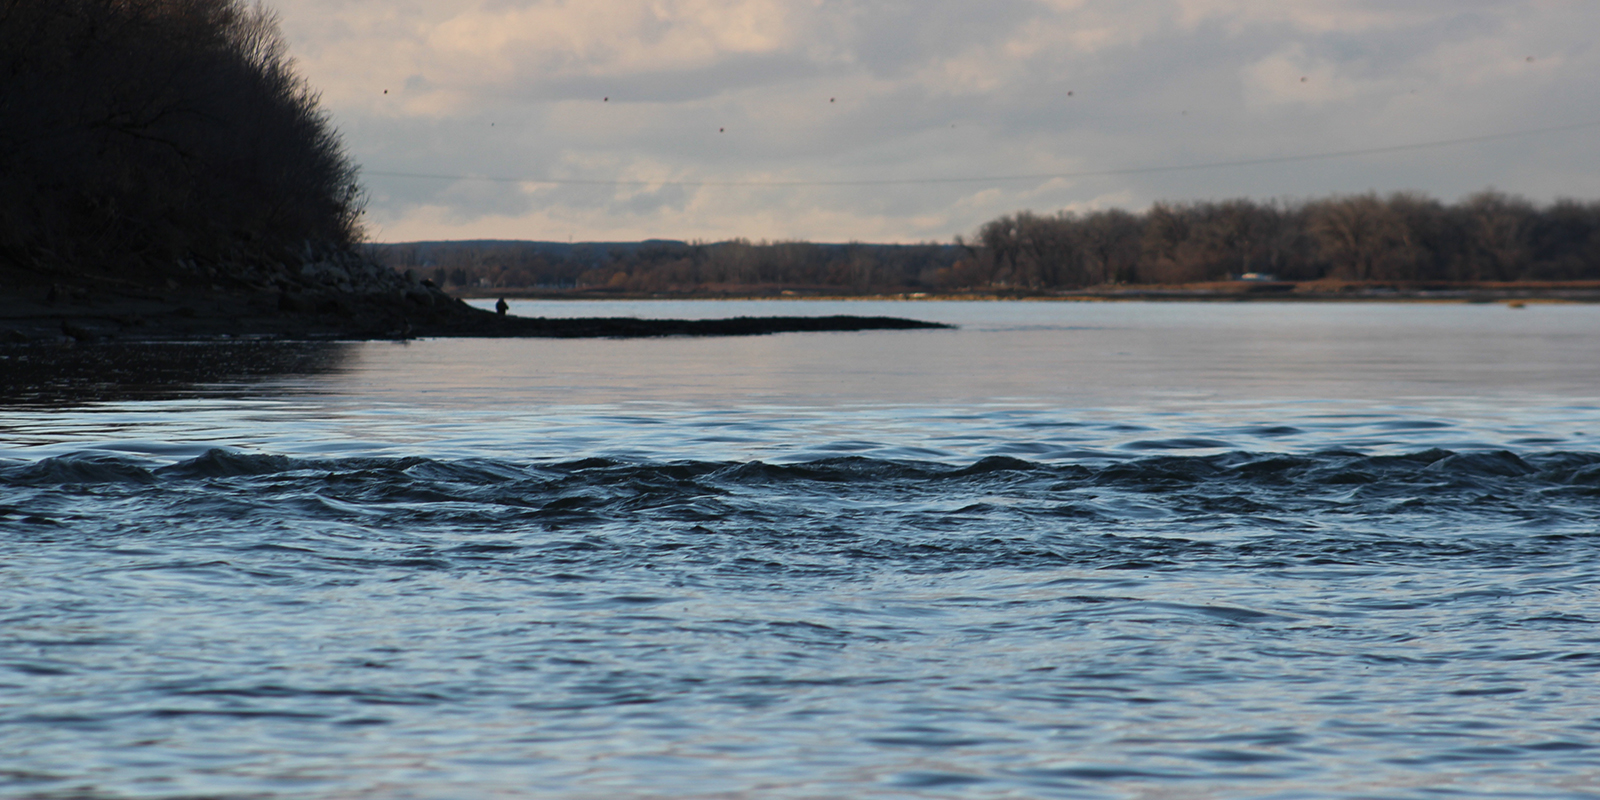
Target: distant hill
<point x="446" y="248"/>
<point x="429" y="254"/>
<point x="666" y="265"/>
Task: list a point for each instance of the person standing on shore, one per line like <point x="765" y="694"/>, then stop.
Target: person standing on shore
<point x="501" y="306"/>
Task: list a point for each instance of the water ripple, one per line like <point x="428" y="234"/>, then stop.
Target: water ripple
<point x="1346" y="619"/>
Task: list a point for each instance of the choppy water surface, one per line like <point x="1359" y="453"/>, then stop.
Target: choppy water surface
<point x="1067" y="550"/>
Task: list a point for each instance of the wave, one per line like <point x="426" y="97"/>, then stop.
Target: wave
<point x="835" y="516"/>
<point x="1433" y="469"/>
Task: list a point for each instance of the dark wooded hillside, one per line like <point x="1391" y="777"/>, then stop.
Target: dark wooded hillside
<point x="164" y="173"/>
<point x="162" y="139"/>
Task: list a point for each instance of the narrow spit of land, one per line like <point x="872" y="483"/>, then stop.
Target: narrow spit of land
<point x="370" y="302"/>
<point x="104" y="311"/>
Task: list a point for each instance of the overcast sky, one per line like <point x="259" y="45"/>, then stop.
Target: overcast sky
<point x="916" y="120"/>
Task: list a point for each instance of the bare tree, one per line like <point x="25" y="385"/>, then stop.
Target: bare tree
<point x="1496" y="229"/>
<point x="1355" y="234"/>
<point x="1109" y="241"/>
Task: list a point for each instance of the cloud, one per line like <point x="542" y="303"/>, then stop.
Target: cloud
<point x="742" y="91"/>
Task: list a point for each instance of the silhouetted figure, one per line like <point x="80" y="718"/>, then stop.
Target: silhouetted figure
<point x="77" y="332"/>
<point x="501" y="306"/>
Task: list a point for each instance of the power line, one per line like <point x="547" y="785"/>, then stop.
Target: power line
<point x="1249" y="162"/>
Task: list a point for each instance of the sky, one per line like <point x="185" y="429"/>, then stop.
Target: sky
<point x="919" y="120"/>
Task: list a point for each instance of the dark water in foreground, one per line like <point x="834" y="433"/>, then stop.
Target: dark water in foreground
<point x="1065" y="551"/>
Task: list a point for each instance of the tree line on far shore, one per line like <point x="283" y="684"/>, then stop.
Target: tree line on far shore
<point x="1408" y="237"/>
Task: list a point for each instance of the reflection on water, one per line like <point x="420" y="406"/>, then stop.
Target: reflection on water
<point x="69" y="374"/>
<point x="1045" y="381"/>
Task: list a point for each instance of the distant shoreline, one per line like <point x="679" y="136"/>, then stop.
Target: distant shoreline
<point x="103" y="311"/>
<point x="1221" y="291"/>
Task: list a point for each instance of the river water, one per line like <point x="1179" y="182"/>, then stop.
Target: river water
<point x="1073" y="550"/>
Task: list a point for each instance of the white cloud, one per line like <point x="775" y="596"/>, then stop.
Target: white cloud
<point x="1321" y="17"/>
<point x="837" y="90"/>
<point x="1292" y="76"/>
